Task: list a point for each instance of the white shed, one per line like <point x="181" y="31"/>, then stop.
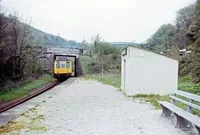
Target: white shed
<point x="146" y="72"/>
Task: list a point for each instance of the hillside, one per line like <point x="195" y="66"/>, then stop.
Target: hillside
<point x="121" y="44"/>
<point x="124" y="44"/>
<point x="46" y="39"/>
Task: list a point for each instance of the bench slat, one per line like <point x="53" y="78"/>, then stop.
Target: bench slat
<point x="185" y="102"/>
<point x="188" y="95"/>
<point x="186" y="115"/>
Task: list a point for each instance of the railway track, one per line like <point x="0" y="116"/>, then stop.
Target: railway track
<point x="39" y="91"/>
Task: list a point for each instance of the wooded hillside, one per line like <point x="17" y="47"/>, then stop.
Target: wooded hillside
<point x="45" y="39"/>
<point x="185" y="34"/>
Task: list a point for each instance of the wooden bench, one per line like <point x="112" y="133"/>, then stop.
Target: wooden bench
<point x="185" y="118"/>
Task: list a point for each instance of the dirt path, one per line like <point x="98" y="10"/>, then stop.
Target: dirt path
<point x="91" y="108"/>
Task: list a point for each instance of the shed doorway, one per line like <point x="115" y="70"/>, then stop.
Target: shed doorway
<point x="124" y="75"/>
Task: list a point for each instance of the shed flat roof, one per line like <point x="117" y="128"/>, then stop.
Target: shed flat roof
<point x="148" y="51"/>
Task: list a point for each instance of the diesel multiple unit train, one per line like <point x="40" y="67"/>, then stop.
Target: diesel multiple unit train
<point x="65" y="66"/>
<point x="62" y="67"/>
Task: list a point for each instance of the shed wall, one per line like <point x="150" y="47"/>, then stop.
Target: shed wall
<point x="148" y="73"/>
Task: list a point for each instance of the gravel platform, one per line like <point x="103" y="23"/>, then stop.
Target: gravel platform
<point x="87" y="107"/>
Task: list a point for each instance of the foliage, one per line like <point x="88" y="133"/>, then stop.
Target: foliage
<point x="185" y="79"/>
<point x="85" y="60"/>
<point x="186" y="84"/>
<point x="184" y="35"/>
<point x="162" y="38"/>
<point x="93" y="65"/>
<point x="18" y="59"/>
<point x="169" y="36"/>
<point x="84" y="45"/>
<point x="189" y="65"/>
<point x="190" y="87"/>
<point x="183" y="21"/>
<point x="194" y="33"/>
<point x="105" y="48"/>
<point x="3" y="25"/>
<point x="15" y="93"/>
<point x="185" y="66"/>
<point x="104" y="58"/>
<point x="194" y="27"/>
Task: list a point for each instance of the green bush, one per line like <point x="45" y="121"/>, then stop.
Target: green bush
<point x="185" y="79"/>
<point x="85" y="60"/>
<point x="186" y="84"/>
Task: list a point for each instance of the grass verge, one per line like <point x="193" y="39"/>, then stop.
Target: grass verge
<point x="30" y="121"/>
<point x="113" y="80"/>
<point x="153" y="99"/>
<point x="15" y="93"/>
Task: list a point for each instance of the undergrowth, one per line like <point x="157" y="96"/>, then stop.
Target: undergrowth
<point x="15" y="93"/>
<point x="186" y="84"/>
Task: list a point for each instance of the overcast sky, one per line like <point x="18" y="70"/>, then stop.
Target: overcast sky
<point x="115" y="20"/>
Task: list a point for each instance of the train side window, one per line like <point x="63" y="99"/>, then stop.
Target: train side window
<point x="58" y="65"/>
<point x="67" y="64"/>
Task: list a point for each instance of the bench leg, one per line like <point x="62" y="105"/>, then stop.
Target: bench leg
<point x="166" y="112"/>
<point x="183" y="123"/>
<point x="198" y="129"/>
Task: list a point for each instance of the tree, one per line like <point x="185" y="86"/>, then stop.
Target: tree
<point x="184" y="35"/>
<point x="180" y="39"/>
<point x="194" y="28"/>
<point x="106" y="57"/>
<point x="183" y="21"/>
<point x="3" y="26"/>
<point x="84" y="45"/>
<point x="194" y="33"/>
<point x="162" y="39"/>
<point x="96" y="42"/>
<point x="3" y="35"/>
<point x="19" y="45"/>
